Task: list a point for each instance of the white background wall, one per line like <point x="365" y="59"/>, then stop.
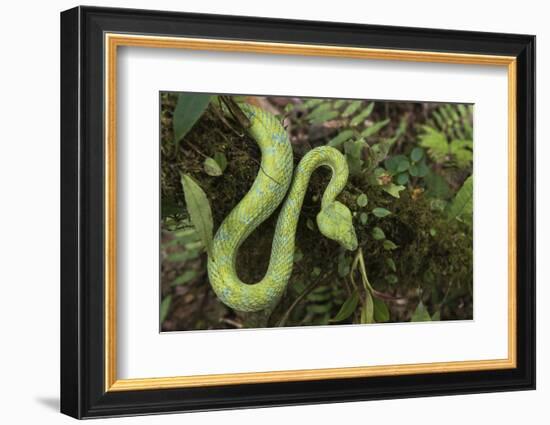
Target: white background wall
<point x="29" y="212"/>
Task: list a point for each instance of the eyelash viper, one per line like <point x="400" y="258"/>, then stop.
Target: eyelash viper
<point x="267" y="192"/>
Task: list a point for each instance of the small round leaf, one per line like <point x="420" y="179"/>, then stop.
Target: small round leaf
<point x="212" y="168"/>
<point x="378" y="234"/>
<point x="417" y="154"/>
<point x="362" y="200"/>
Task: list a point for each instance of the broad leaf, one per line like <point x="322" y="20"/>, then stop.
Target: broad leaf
<point x="381" y="312"/>
<point x="188" y="110"/>
<point x="347" y="308"/>
<point x="199" y="210"/>
<point x="421" y="314"/>
<point x="367" y="313"/>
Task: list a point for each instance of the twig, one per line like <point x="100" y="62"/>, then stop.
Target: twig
<point x="231" y="322"/>
<point x="300" y="297"/>
<point x="196" y="149"/>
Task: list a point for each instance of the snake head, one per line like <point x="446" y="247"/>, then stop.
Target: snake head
<point x="335" y="222"/>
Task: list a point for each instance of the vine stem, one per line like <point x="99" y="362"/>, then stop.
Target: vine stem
<point x="300" y="297"/>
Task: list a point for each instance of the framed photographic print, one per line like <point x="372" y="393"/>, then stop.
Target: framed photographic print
<point x="261" y="212"/>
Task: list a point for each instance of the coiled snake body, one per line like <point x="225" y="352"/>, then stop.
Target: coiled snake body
<point x="267" y="192"/>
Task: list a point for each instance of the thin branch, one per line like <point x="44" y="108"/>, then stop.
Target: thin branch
<point x="300" y="297"/>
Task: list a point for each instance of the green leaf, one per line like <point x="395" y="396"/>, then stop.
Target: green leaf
<point x="316" y="271"/>
<point x="186" y="235"/>
<point x="182" y="257"/>
<point x="393" y="189"/>
<point x="437" y="186"/>
<point x="391" y="164"/>
<point x="389" y="245"/>
<point x="352" y="108"/>
<point x="326" y="116"/>
<point x="362" y="116"/>
<point x="319" y="308"/>
<point x="421" y="314"/>
<point x="417" y="154"/>
<point x="298" y="255"/>
<point x="462" y="151"/>
<point x="378" y="234"/>
<point x="342" y="137"/>
<point x="436" y="143"/>
<point x="392" y="279"/>
<point x="403" y="178"/>
<point x="438" y="204"/>
<point x="381" y="212"/>
<point x="375" y="128"/>
<point x="354" y="152"/>
<point x="319" y="110"/>
<point x="165" y="307"/>
<point x="461" y="207"/>
<point x="212" y="168"/>
<point x="347" y="308"/>
<point x="436" y="317"/>
<point x="185" y="277"/>
<point x="397" y="164"/>
<point x="391" y="264"/>
<point x="310" y="225"/>
<point x="221" y="160"/>
<point x="367" y="313"/>
<point x="420" y="169"/>
<point x="402" y="164"/>
<point x="319" y="297"/>
<point x="362" y="200"/>
<point x="188" y="110"/>
<point x="310" y="103"/>
<point x="363" y="218"/>
<point x="381" y="312"/>
<point x="199" y="210"/>
<point x="343" y="265"/>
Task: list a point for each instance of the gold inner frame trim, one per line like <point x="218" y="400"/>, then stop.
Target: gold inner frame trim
<point x="113" y="41"/>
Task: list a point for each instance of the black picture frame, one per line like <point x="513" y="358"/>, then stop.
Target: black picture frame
<point x="83" y="392"/>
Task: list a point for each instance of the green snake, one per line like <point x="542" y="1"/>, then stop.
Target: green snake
<point x="267" y="192"/>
